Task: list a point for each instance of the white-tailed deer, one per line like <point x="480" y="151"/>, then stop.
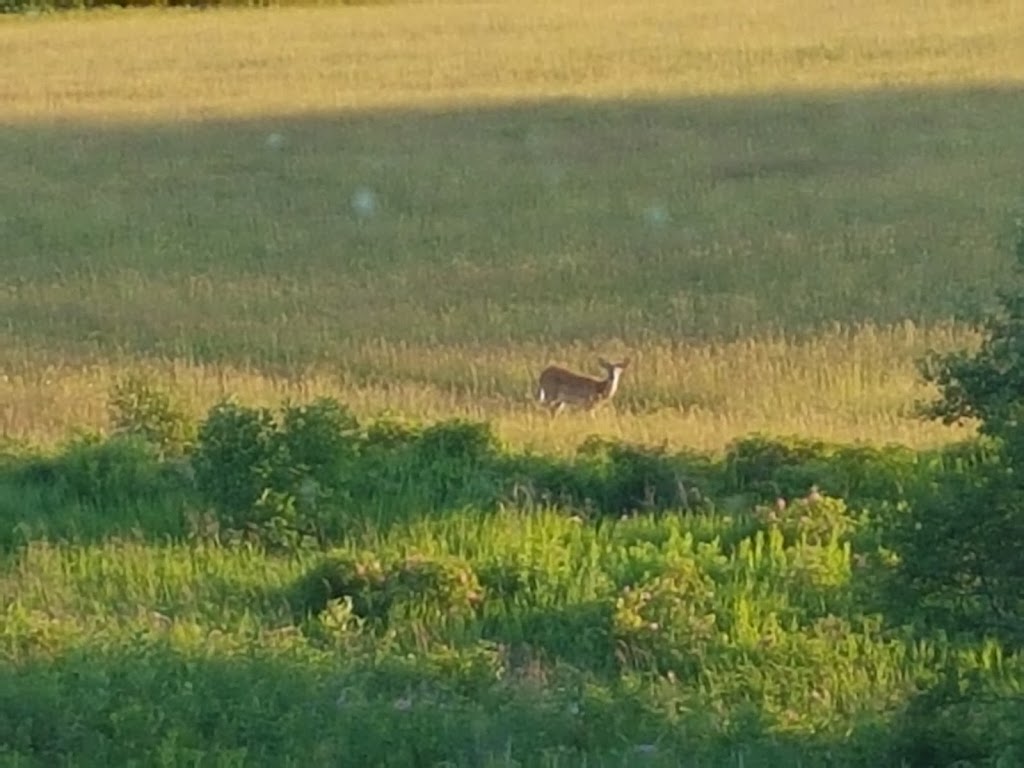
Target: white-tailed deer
<point x="558" y="387"/>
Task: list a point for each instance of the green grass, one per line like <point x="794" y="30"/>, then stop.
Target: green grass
<point x="465" y="631"/>
<point x="188" y="653"/>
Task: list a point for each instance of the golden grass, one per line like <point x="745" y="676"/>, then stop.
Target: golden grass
<point x="837" y="386"/>
<point x="160" y="65"/>
<point x="555" y="181"/>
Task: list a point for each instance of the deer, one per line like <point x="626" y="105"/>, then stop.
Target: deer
<point x="558" y="387"/>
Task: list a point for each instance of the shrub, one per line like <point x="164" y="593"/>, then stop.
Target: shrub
<point x="140" y="408"/>
<point x="667" y="623"/>
<point x="358" y="579"/>
<point x="465" y="442"/>
<point x="964" y="719"/>
<point x="236" y="458"/>
<point x="963" y="546"/>
<point x="988" y="384"/>
<point x="756" y="462"/>
<point x="531" y="479"/>
<point x="814" y="518"/>
<point x="772" y="468"/>
<point x="962" y="551"/>
<point x="509" y="580"/>
<point x="640" y="478"/>
<point x="454" y="462"/>
<point x="318" y="441"/>
<point x="267" y="474"/>
<point x="447" y="585"/>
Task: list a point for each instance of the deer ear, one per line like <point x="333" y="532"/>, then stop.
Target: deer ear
<point x="625" y="363"/>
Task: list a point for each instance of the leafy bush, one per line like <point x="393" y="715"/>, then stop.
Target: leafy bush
<point x="454" y="463"/>
<point x="441" y="466"/>
<point x="770" y="469"/>
<point x="964" y="719"/>
<point x="639" y="478"/>
<point x="465" y="442"/>
<point x="509" y="580"/>
<point x="531" y="480"/>
<point x="814" y="518"/>
<point x="236" y="458"/>
<point x="359" y="579"/>
<point x="270" y="474"/>
<point x="777" y="468"/>
<point x="607" y="477"/>
<point x="138" y="407"/>
<point x="667" y="623"/>
<point x="447" y="585"/>
<point x="962" y="552"/>
<point x="962" y="547"/>
<point x="986" y="385"/>
<point x="319" y="441"/>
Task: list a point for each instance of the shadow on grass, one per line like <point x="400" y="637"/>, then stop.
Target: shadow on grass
<point x="564" y="220"/>
<point x="90" y="490"/>
<point x="289" y="705"/>
<point x="280" y="702"/>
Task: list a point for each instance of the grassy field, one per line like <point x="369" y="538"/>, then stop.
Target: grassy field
<point x="708" y="189"/>
<point x="773" y="209"/>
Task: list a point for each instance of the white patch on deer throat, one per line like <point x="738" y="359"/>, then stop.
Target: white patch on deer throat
<point x="613" y="381"/>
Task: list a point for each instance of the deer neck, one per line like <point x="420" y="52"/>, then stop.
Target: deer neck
<point x="611" y="384"/>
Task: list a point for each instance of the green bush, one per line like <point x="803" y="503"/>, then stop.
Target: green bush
<point x="962" y="546"/>
<point x="360" y="580"/>
<point x="815" y="519"/>
<point x="453" y="463"/>
<point x="774" y="468"/>
<point x="318" y="441"/>
<point x="962" y="552"/>
<point x="965" y="719"/>
<point x="261" y="473"/>
<point x="138" y="407"/>
<point x="667" y="623"/>
<point x="607" y="477"/>
<point x="236" y="458"/>
<point x="531" y="480"/>
<point x="446" y="585"/>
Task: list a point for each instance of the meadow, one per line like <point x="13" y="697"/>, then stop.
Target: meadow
<point x="774" y="210"/>
<point x="411" y="209"/>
